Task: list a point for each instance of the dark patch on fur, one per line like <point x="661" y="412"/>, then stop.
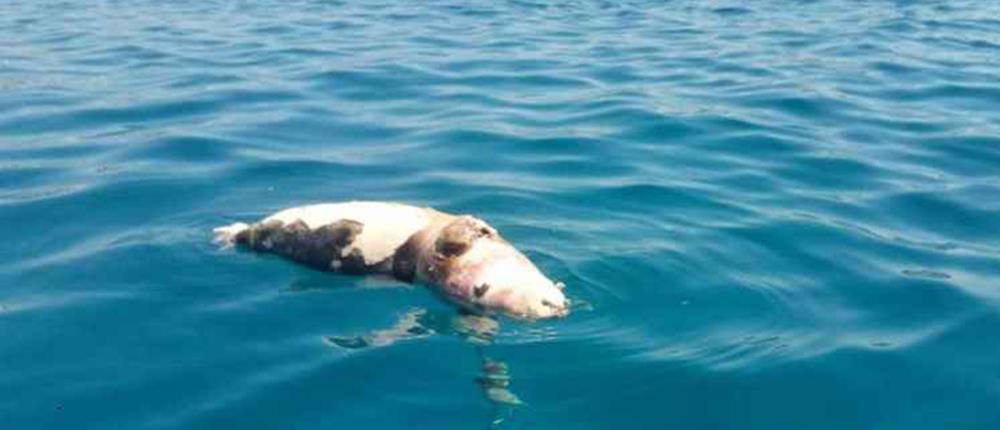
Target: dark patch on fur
<point x="453" y="240"/>
<point x="353" y="263"/>
<point x="406" y="257"/>
<point x="458" y="236"/>
<point x="480" y="290"/>
<point x="316" y="248"/>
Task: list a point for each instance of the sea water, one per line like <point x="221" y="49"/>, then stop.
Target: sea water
<point x="768" y="214"/>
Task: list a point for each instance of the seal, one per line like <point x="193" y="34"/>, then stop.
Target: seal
<point x="460" y="256"/>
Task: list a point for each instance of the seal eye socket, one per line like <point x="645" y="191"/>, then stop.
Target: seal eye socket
<point x="548" y="303"/>
<point x="458" y="236"/>
<point x="452" y="248"/>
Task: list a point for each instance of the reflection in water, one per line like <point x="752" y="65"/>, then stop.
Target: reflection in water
<point x="476" y="329"/>
<point x="495" y="381"/>
<point x="408" y="326"/>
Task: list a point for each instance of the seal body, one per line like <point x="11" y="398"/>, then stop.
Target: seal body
<point x="461" y="256"/>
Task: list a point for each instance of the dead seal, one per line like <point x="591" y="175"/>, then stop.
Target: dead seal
<point x="461" y="256"/>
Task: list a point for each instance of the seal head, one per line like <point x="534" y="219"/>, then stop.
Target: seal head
<point x="477" y="268"/>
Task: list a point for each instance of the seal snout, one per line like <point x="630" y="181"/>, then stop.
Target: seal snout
<point x="559" y="309"/>
<point x="551" y="303"/>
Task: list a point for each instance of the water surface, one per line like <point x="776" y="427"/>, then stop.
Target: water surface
<point x="771" y="214"/>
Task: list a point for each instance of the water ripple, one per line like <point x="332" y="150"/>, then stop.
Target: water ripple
<point x="795" y="200"/>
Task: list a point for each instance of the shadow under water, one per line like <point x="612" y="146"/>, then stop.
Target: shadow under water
<point x="477" y="330"/>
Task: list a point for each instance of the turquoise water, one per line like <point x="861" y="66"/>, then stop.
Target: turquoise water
<point x="769" y="215"/>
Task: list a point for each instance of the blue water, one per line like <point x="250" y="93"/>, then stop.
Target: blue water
<point x="769" y="214"/>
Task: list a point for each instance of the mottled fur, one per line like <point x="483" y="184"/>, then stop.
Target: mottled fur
<point x="321" y="248"/>
<point x="462" y="256"/>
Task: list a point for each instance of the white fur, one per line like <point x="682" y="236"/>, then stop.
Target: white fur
<point x="386" y="225"/>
